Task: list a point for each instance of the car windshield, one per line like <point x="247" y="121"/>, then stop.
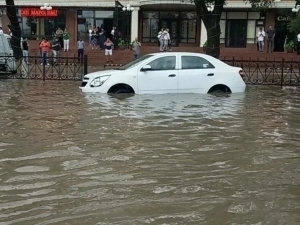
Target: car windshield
<point x="134" y="62"/>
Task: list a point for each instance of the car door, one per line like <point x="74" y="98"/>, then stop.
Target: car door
<point x="162" y="77"/>
<point x="195" y="75"/>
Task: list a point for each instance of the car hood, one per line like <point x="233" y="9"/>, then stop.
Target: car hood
<point x="102" y="73"/>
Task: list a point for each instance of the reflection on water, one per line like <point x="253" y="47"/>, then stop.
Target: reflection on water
<point x="74" y="158"/>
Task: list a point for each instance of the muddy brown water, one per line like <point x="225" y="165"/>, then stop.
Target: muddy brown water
<point x="73" y="158"/>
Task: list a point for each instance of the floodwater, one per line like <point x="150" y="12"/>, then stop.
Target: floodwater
<point x="88" y="159"/>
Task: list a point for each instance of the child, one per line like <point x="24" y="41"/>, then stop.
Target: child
<point x="108" y="50"/>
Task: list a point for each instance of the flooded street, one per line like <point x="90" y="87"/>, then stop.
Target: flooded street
<point x="70" y="158"/>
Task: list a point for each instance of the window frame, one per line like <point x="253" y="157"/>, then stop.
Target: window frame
<point x="161" y="58"/>
<point x="211" y="66"/>
<point x="152" y="38"/>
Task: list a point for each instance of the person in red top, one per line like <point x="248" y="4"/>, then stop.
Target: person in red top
<point x="45" y="47"/>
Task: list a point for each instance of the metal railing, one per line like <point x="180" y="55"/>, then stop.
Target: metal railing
<point x="49" y="68"/>
<point x="267" y="72"/>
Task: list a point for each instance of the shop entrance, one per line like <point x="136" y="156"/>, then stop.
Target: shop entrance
<point x="281" y="31"/>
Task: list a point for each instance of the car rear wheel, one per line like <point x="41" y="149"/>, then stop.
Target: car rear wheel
<point x="219" y="88"/>
<point x="121" y="91"/>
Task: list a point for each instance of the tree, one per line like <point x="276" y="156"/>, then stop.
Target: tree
<point x="210" y="12"/>
<point x="15" y="41"/>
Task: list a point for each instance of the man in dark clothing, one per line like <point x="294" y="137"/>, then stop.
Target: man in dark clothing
<point x="80" y="50"/>
<point x="270" y="36"/>
<point x="55" y="49"/>
<point x="25" y="50"/>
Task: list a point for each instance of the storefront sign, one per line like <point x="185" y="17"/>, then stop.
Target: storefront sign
<point x="36" y="12"/>
<point x="284" y="18"/>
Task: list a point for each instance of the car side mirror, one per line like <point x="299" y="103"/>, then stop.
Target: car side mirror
<point x="146" y="68"/>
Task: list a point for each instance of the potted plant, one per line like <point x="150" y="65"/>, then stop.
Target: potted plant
<point x="204" y="46"/>
<point x="289" y="46"/>
<point x="121" y="44"/>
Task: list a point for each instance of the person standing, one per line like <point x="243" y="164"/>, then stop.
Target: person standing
<point x="25" y="46"/>
<point x="90" y="35"/>
<point x="161" y="39"/>
<point x="136" y="45"/>
<point x="298" y="44"/>
<point x="261" y="39"/>
<point x="80" y="49"/>
<point x="66" y="38"/>
<point x="270" y="36"/>
<point x="45" y="46"/>
<point x="55" y="50"/>
<point x="59" y="33"/>
<point x="108" y="50"/>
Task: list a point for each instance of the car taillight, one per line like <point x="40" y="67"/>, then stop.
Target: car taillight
<point x="242" y="73"/>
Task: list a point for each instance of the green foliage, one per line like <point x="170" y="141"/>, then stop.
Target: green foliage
<point x="256" y="4"/>
<point x="205" y="44"/>
<point x="290" y="45"/>
<point x="294" y="25"/>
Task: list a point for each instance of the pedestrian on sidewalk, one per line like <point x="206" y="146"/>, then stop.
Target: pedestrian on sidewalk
<point x="25" y="46"/>
<point x="136" y="45"/>
<point x="108" y="50"/>
<point x="270" y="36"/>
<point x="80" y="49"/>
<point x="261" y="39"/>
<point x="55" y="50"/>
<point x="45" y="46"/>
<point x="298" y="44"/>
<point x="66" y="37"/>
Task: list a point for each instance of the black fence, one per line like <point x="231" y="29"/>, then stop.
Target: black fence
<point x="48" y="68"/>
<point x="265" y="72"/>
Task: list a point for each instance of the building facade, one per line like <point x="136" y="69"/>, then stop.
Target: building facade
<point x="239" y="23"/>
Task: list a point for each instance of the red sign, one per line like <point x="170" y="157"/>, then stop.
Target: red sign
<point x="35" y="12"/>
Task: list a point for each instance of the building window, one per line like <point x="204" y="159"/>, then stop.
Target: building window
<point x="236" y="33"/>
<point x="90" y="18"/>
<point x="182" y="26"/>
<point x="188" y="27"/>
<point x="150" y="26"/>
<point x="36" y="23"/>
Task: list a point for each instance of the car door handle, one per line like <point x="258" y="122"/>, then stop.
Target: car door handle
<point x="210" y="74"/>
<point x="172" y="75"/>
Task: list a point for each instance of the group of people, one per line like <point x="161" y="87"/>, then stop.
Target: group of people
<point x="261" y="39"/>
<point x="270" y="35"/>
<point x="164" y="40"/>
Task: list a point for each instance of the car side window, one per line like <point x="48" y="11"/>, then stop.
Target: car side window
<point x="163" y="63"/>
<point x="195" y="62"/>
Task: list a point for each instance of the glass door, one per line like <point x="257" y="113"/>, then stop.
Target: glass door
<point x="236" y="33"/>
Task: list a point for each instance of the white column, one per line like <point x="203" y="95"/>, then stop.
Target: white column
<point x="134" y="23"/>
<point x="203" y="34"/>
<point x="1" y="22"/>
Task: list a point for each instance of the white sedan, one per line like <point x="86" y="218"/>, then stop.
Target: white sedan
<point x="167" y="72"/>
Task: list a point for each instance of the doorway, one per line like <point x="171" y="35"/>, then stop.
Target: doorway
<point x="236" y="33"/>
<point x="172" y="25"/>
<point x="281" y="31"/>
<point x="106" y="24"/>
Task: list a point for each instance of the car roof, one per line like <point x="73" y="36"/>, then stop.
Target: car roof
<point x="181" y="53"/>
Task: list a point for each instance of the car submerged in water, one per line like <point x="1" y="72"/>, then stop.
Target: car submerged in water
<point x="167" y="72"/>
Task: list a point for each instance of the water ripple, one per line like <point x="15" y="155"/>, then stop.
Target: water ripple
<point x="73" y="158"/>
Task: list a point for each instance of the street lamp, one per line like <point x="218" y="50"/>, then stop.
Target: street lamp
<point x="127" y="9"/>
<point x="296" y="9"/>
<point x="46" y="7"/>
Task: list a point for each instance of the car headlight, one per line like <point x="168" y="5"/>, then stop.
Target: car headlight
<point x="98" y="81"/>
